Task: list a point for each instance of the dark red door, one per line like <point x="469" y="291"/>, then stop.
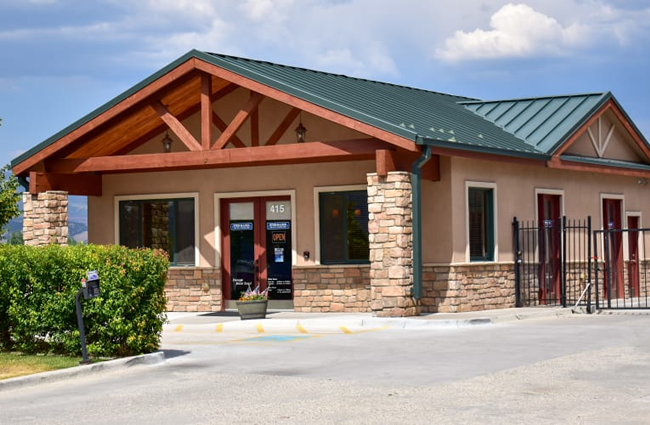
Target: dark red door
<point x="549" y="248"/>
<point x="256" y="247"/>
<point x="614" y="259"/>
<point x="633" y="251"/>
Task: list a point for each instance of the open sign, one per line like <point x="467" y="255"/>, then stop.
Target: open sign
<point x="279" y="237"/>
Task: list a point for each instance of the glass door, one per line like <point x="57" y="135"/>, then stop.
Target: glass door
<point x="257" y="250"/>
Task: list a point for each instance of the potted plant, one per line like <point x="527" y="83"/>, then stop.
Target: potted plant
<point x="252" y="304"/>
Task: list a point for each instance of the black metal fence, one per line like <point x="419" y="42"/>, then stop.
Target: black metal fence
<point x="622" y="273"/>
<point x="553" y="262"/>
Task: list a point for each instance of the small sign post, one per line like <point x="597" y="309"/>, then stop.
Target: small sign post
<point x="89" y="289"/>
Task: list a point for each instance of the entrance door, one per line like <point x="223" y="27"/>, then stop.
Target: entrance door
<point x="633" y="253"/>
<point x="612" y="221"/>
<point x="548" y="213"/>
<point x="257" y="249"/>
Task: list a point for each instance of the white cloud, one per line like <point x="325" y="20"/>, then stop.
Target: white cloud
<point x="517" y="30"/>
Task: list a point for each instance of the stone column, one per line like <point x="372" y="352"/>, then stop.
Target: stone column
<point x="45" y="218"/>
<point x="391" y="245"/>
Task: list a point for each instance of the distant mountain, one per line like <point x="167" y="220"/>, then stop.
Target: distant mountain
<point x="77" y="220"/>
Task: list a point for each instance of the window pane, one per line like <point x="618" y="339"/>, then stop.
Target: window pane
<point x="357" y="223"/>
<point x="160" y="224"/>
<point x="185" y="232"/>
<point x="332" y="217"/>
<point x="344" y="227"/>
<point x="480" y="224"/>
<point x="130" y="224"/>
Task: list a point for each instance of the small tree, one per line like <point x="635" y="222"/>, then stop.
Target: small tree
<point x="9" y="196"/>
<point x="16" y="238"/>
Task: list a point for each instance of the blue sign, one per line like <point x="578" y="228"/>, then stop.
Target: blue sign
<point x="241" y="226"/>
<point x="278" y="225"/>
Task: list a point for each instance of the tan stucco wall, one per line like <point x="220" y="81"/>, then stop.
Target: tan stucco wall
<point x="301" y="178"/>
<point x="443" y="203"/>
<point x="516" y="187"/>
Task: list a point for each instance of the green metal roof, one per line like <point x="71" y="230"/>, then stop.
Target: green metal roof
<point x="529" y="128"/>
<point x="420" y="115"/>
<point x="543" y="122"/>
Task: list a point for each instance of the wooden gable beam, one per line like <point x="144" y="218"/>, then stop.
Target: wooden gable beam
<point x="222" y="126"/>
<point x="344" y="150"/>
<point x="206" y="111"/>
<point x="238" y="121"/>
<point x="304" y="105"/>
<point x="176" y="126"/>
<point x="183" y="115"/>
<point x="283" y="126"/>
<point x="74" y="184"/>
<point x="387" y="160"/>
<point x="101" y="119"/>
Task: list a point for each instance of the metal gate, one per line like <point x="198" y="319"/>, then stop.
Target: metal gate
<point x="622" y="273"/>
<point x="552" y="262"/>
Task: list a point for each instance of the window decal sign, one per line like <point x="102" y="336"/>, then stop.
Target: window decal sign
<point x="241" y="226"/>
<point x="278" y="225"/>
<point x="278" y="260"/>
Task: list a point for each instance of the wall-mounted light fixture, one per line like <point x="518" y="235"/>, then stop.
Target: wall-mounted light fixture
<point x="167" y="143"/>
<point x="642" y="181"/>
<point x="301" y="131"/>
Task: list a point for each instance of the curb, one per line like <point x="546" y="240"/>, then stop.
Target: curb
<point x="61" y="374"/>
<point x="353" y="325"/>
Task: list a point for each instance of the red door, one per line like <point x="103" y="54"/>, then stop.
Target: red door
<point x="633" y="251"/>
<point x="256" y="247"/>
<point x="548" y="214"/>
<point x="614" y="259"/>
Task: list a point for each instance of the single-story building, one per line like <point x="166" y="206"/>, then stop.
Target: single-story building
<point x="339" y="194"/>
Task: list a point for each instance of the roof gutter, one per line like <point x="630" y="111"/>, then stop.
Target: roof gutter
<point x="416" y="171"/>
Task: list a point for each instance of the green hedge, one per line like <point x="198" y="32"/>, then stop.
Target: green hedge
<point x="37" y="299"/>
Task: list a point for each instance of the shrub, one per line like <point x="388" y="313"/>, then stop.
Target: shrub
<point x="37" y="299"/>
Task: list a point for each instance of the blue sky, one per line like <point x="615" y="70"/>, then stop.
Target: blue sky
<point x="61" y="59"/>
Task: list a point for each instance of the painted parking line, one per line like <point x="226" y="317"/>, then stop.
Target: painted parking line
<point x="278" y="338"/>
<point x="272" y="328"/>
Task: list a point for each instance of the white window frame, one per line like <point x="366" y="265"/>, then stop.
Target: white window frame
<point x="148" y="197"/>
<point x="317" y="192"/>
<point x="540" y="191"/>
<point x="482" y="185"/>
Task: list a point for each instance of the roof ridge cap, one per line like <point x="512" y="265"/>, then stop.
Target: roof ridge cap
<point x="337" y="75"/>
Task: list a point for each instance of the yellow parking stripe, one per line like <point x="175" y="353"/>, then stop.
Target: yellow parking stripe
<point x="178" y="328"/>
<point x="345" y="330"/>
<point x="260" y="328"/>
<point x="301" y="329"/>
<point x="219" y="327"/>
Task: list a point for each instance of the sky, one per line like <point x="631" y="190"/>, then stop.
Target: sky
<point x="61" y="59"/>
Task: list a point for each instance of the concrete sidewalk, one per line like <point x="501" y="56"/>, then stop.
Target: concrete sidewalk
<point x="292" y="322"/>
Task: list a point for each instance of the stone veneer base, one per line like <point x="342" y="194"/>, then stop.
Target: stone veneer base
<point x="323" y="289"/>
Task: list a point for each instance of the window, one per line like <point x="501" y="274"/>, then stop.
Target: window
<point x="481" y="224"/>
<point x="166" y="224"/>
<point x="344" y="227"/>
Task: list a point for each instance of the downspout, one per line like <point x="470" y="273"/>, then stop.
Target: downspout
<point x="416" y="170"/>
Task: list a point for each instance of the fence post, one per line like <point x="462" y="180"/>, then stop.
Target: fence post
<point x="562" y="235"/>
<point x="517" y="252"/>
<point x="589" y="265"/>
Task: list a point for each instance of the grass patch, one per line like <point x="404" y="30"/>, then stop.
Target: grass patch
<point x="14" y="364"/>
